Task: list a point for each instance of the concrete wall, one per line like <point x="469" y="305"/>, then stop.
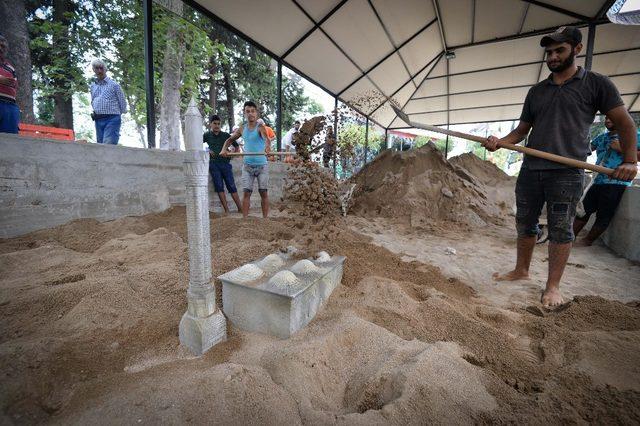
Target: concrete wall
<point x="44" y="183"/>
<point x="623" y="234"/>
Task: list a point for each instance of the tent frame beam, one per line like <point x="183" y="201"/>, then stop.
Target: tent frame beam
<point x="316" y="25"/>
<point x="558" y="9"/>
<point x="433" y="61"/>
<point x="534" y="33"/>
<point x="522" y="64"/>
<point x="374" y="66"/>
<point x="386" y="31"/>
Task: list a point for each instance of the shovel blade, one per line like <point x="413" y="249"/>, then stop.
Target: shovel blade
<point x="404" y="117"/>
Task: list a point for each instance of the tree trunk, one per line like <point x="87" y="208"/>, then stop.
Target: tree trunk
<point x="213" y="85"/>
<point x="171" y="81"/>
<point x="63" y="104"/>
<point x="62" y="111"/>
<point x="14" y="15"/>
<point x="228" y="87"/>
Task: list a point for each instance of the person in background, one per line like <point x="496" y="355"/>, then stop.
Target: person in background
<point x="605" y="194"/>
<point x="107" y="101"/>
<point x="271" y="136"/>
<point x="220" y="167"/>
<point x="9" y="111"/>
<point x="287" y="141"/>
<point x="255" y="166"/>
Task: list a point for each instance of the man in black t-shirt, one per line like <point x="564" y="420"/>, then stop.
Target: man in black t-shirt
<point x="220" y="167"/>
<point x="559" y="112"/>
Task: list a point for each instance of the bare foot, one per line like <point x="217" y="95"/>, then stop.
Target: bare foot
<point x="551" y="298"/>
<point x="511" y="276"/>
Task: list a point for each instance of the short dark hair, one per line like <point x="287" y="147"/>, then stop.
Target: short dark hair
<point x="214" y="117"/>
<point x="296" y="122"/>
<point x="250" y="104"/>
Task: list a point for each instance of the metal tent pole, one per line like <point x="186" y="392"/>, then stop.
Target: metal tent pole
<point x="591" y="36"/>
<point x="147" y="9"/>
<point x="366" y="141"/>
<point x="279" y="109"/>
<point x="335" y="135"/>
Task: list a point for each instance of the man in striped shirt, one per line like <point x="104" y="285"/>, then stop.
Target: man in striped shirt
<point x="9" y="111"/>
<point x="108" y="104"/>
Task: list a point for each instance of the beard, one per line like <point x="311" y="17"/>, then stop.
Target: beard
<point x="559" y="67"/>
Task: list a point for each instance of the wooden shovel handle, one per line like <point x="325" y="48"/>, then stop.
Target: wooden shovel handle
<point x="523" y="149"/>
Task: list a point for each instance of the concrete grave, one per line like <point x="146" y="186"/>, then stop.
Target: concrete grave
<point x="279" y="295"/>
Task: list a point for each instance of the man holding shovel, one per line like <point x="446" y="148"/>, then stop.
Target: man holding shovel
<point x="559" y="112"/>
<point x="255" y="167"/>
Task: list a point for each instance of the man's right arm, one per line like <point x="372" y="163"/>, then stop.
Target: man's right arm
<point x="520" y="132"/>
<point x="234" y="137"/>
<point x="516" y="135"/>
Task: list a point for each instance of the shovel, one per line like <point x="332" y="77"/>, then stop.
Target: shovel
<point x="243" y="154"/>
<point x="523" y="149"/>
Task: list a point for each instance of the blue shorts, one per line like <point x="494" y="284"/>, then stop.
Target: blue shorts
<point x="222" y="174"/>
<point x="9" y="117"/>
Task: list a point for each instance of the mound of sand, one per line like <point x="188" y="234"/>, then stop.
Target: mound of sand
<point x="311" y="191"/>
<point x="420" y="187"/>
<point x="88" y="334"/>
<point x="482" y="171"/>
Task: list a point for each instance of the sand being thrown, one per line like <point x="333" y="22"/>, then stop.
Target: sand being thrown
<point x="420" y="187"/>
<point x="91" y="334"/>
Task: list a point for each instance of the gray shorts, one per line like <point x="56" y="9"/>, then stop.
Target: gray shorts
<point x="560" y="189"/>
<point x="251" y="173"/>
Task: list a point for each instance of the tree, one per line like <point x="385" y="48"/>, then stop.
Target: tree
<point x="13" y="13"/>
<point x="193" y="56"/>
<point x="62" y="33"/>
<point x="172" y="65"/>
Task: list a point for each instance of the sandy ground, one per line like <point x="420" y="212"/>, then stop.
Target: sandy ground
<point x="595" y="270"/>
<point x="90" y="312"/>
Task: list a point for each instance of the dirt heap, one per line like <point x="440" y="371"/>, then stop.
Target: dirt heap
<point x="483" y="171"/>
<point x="420" y="187"/>
<point x="496" y="184"/>
<point x="311" y="191"/>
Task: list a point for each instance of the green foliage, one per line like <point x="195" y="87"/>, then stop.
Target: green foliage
<point x="61" y="34"/>
<point x="62" y="45"/>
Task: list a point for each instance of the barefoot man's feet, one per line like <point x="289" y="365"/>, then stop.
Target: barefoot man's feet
<point x="511" y="276"/>
<point x="552" y="298"/>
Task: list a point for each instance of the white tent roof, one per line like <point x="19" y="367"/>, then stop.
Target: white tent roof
<point x="353" y="48"/>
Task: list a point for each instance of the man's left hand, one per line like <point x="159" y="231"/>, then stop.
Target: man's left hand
<point x="625" y="171"/>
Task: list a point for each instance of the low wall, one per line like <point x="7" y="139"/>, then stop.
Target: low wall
<point x="44" y="183"/>
<point x="623" y="234"/>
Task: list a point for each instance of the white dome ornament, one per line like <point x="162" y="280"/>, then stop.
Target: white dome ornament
<point x="323" y="257"/>
<point x="246" y="273"/>
<point x="271" y="262"/>
<point x="304" y="267"/>
<point x="284" y="279"/>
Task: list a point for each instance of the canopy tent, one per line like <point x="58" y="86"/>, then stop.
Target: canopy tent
<point x="445" y="62"/>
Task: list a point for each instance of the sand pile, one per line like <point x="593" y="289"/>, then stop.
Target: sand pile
<point x="311" y="191"/>
<point x="88" y="334"/>
<point x="421" y="188"/>
<point x="482" y="171"/>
